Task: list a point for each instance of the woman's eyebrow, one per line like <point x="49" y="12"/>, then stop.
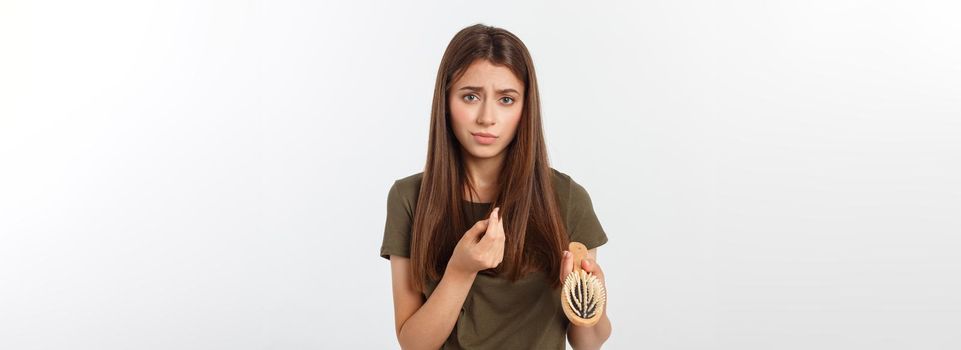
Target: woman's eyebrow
<point x="478" y="88"/>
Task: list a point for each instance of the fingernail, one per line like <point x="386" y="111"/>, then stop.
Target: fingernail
<point x="588" y="262"/>
<point x="567" y="254"/>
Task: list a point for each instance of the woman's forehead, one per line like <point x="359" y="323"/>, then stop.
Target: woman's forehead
<point x="487" y="76"/>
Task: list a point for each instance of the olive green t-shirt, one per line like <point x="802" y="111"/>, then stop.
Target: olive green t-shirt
<point x="498" y="314"/>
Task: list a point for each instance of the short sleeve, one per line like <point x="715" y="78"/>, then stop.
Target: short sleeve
<point x="585" y="227"/>
<point x="397" y="226"/>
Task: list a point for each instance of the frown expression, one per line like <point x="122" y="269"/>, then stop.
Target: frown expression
<point x="485" y="107"/>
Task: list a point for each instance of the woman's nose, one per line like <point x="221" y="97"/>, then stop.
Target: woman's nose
<point x="486" y="115"/>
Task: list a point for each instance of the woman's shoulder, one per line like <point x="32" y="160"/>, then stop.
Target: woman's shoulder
<point x="560" y="177"/>
<point x="578" y="209"/>
<point x="412" y="180"/>
<point x="407" y="187"/>
<point x="565" y="185"/>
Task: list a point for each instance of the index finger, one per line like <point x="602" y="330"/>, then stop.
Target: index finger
<point x="589" y="264"/>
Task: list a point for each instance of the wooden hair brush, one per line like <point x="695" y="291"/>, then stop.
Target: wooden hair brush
<point x="583" y="295"/>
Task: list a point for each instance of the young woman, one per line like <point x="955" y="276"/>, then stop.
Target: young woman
<point x="477" y="241"/>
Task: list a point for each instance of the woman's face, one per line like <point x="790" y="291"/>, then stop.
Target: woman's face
<point x="487" y="99"/>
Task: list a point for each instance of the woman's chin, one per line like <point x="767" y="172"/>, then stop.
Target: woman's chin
<point x="483" y="153"/>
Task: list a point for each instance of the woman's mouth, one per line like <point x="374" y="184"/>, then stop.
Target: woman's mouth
<point x="484" y="138"/>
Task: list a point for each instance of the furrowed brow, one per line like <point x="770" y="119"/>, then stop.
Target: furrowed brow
<point x="478" y="88"/>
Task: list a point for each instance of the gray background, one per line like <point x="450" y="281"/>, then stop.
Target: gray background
<point x="213" y="175"/>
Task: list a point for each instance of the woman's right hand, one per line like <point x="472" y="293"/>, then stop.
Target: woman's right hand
<point x="481" y="247"/>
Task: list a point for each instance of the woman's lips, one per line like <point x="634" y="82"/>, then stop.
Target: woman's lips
<point x="484" y="138"/>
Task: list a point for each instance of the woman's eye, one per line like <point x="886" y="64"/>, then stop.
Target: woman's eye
<point x="507" y="100"/>
<point x="470" y="98"/>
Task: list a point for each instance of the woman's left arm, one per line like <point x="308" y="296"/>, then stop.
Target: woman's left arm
<point x="594" y="336"/>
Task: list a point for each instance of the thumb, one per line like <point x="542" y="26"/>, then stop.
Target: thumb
<point x="567" y="265"/>
<point x="475" y="231"/>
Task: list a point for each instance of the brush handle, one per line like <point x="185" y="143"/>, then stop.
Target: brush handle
<point x="578" y="250"/>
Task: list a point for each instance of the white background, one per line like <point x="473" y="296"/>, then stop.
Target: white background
<point x="213" y="175"/>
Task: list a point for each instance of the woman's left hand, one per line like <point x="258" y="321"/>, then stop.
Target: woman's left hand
<point x="587" y="336"/>
<point x="588" y="264"/>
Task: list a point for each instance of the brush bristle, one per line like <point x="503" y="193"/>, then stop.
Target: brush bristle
<point x="585" y="294"/>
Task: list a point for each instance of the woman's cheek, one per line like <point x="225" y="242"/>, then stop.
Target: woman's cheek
<point x="514" y="120"/>
<point x="460" y="114"/>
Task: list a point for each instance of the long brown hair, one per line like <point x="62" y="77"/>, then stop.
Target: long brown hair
<point x="534" y="229"/>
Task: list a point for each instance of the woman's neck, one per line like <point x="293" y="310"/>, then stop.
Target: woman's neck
<point x="483" y="173"/>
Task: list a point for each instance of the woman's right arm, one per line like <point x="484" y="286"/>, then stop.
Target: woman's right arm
<point x="427" y="325"/>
